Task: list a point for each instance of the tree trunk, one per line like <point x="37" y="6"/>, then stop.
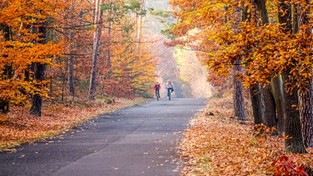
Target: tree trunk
<point x="39" y="72"/>
<point x="277" y="91"/>
<point x="270" y="104"/>
<point x="139" y="27"/>
<point x="238" y="93"/>
<point x="270" y="111"/>
<point x="294" y="142"/>
<point x="261" y="4"/>
<point x="108" y="53"/>
<point x="256" y="101"/>
<point x="96" y="47"/>
<point x="70" y="61"/>
<point x="7" y="71"/>
<point x="306" y="113"/>
<point x="306" y="98"/>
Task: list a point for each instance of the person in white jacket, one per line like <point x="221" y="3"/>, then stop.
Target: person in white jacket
<point x="170" y="88"/>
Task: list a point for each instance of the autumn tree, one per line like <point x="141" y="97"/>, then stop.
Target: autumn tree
<point x="28" y="52"/>
<point x="302" y="11"/>
<point x="267" y="48"/>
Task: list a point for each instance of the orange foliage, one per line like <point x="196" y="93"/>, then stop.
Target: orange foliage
<point x="264" y="51"/>
<point x="20" y="50"/>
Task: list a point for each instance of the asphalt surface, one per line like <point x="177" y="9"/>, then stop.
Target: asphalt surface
<point x="135" y="141"/>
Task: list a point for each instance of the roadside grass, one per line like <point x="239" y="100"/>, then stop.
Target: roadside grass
<point x="216" y="144"/>
<point x="19" y="126"/>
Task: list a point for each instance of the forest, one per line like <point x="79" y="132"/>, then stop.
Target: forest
<point x="264" y="50"/>
<point x="61" y="58"/>
<point x="68" y="49"/>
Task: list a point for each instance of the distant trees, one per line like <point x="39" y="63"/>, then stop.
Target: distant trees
<point x="47" y="46"/>
<point x="273" y="43"/>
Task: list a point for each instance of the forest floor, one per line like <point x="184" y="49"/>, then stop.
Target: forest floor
<point x="216" y="144"/>
<point x="19" y="126"/>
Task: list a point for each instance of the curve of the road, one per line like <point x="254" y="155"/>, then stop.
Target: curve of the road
<point x="135" y="141"/>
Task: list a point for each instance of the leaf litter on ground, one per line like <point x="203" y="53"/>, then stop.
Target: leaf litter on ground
<point x="19" y="126"/>
<point x="216" y="144"/>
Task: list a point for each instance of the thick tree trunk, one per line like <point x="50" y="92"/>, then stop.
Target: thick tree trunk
<point x="270" y="111"/>
<point x="270" y="103"/>
<point x="39" y="72"/>
<point x="306" y="113"/>
<point x="256" y="100"/>
<point x="95" y="54"/>
<point x="238" y="93"/>
<point x="277" y="91"/>
<point x="306" y="98"/>
<point x="294" y="142"/>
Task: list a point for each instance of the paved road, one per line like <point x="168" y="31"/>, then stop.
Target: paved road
<point x="131" y="142"/>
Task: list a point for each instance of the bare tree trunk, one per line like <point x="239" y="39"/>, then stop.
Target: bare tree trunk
<point x="139" y="27"/>
<point x="238" y="93"/>
<point x="95" y="54"/>
<point x="294" y="142"/>
<point x="108" y="53"/>
<point x="70" y="60"/>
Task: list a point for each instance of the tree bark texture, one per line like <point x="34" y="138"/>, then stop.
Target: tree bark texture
<point x="306" y="114"/>
<point x="238" y="93"/>
<point x="96" y="47"/>
<point x="306" y="98"/>
<point x="277" y="91"/>
<point x="39" y="72"/>
<point x="294" y="142"/>
<point x="270" y="108"/>
<point x="270" y="103"/>
<point x="256" y="101"/>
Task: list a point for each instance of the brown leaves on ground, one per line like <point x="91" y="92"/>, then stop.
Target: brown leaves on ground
<point x="216" y="144"/>
<point x="19" y="126"/>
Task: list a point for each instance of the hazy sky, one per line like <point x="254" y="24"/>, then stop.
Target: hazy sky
<point x="158" y="4"/>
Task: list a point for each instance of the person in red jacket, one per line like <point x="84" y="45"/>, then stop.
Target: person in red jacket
<point x="157" y="88"/>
